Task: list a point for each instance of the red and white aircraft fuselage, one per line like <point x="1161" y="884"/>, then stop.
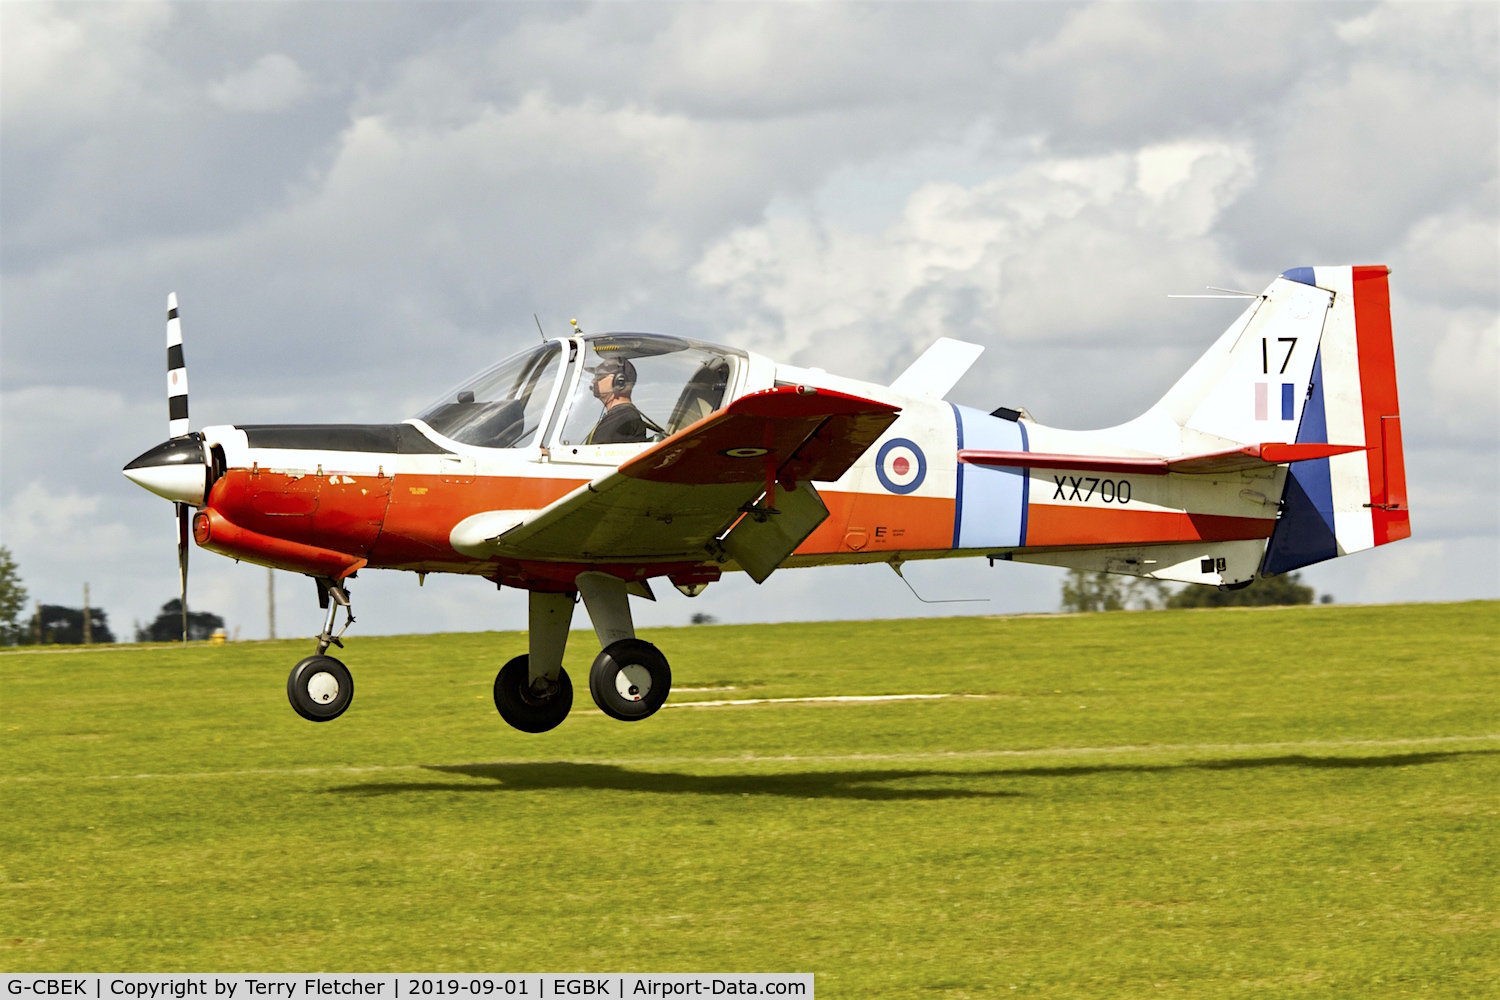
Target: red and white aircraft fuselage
<point x="598" y="464"/>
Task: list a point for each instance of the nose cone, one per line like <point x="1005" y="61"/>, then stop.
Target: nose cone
<point x="174" y="469"/>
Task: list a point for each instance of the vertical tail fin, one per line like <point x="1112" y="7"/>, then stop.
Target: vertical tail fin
<point x="1251" y="386"/>
<point x="1347" y="503"/>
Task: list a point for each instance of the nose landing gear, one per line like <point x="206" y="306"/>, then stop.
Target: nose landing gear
<point x="331" y="597"/>
<point x="319" y="686"/>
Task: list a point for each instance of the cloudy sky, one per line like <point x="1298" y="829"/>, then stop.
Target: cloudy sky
<point x="360" y="204"/>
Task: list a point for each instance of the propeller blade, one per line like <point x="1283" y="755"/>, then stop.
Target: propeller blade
<point x="183" y="517"/>
<point x="177" y="384"/>
<point x="177" y="426"/>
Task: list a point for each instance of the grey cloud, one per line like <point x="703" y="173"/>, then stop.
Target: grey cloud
<point x="1453" y="257"/>
<point x="1137" y="73"/>
<point x="451" y="168"/>
<point x="274" y="82"/>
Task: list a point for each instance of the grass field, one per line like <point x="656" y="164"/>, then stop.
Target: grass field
<point x="1191" y="804"/>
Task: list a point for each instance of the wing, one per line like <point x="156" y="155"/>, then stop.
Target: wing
<point x="675" y="498"/>
<point x="1253" y="456"/>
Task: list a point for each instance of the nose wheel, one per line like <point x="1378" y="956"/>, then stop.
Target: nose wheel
<point x="630" y="680"/>
<point x="320" y="688"/>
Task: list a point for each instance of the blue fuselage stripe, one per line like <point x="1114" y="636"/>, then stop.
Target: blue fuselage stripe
<point x="958" y="481"/>
<point x="1025" y="483"/>
<point x="990" y="503"/>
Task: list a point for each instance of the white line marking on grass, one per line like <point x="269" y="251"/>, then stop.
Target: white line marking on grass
<point x="918" y="755"/>
<point x="725" y="703"/>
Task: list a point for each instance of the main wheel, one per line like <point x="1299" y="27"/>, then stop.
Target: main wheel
<point x="630" y="680"/>
<point x="525" y="708"/>
<point x="320" y="688"/>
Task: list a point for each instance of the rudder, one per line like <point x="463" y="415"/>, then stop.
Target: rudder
<point x="1347" y="503"/>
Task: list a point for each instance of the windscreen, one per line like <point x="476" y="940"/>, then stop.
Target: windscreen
<point x="502" y="407"/>
<point x="645" y="387"/>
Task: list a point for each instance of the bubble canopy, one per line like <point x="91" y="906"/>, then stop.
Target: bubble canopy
<point x="670" y="382"/>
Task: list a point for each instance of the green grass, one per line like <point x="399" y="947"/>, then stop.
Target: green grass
<point x="1197" y="803"/>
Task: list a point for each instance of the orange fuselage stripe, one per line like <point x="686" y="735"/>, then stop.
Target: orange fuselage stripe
<point x="406" y="521"/>
<point x="1053" y="524"/>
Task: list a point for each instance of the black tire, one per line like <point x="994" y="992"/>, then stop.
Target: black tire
<point x="630" y="680"/>
<point x="320" y="688"/>
<point x="522" y="707"/>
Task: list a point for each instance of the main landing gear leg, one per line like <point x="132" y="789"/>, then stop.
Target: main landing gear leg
<point x="630" y="679"/>
<point x="533" y="692"/>
<point x="320" y="687"/>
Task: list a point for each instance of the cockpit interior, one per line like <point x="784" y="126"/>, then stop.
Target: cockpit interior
<point x="613" y="388"/>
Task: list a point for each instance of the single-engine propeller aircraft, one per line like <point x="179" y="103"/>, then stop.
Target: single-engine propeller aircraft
<point x="601" y="464"/>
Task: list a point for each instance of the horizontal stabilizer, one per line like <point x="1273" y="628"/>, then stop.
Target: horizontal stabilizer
<point x="1233" y="460"/>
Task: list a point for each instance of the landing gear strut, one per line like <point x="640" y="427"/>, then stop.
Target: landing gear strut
<point x="533" y="692"/>
<point x="319" y="686"/>
<point x="629" y="679"/>
<point x="331" y="596"/>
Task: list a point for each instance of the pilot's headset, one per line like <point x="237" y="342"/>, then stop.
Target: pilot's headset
<point x="623" y="373"/>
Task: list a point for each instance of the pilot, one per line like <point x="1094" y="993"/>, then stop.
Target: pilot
<point x="622" y="423"/>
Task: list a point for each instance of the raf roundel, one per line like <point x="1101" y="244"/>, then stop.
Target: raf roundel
<point x="900" y="466"/>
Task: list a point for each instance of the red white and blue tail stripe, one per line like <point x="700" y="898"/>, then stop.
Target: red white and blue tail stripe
<point x="1346" y="503"/>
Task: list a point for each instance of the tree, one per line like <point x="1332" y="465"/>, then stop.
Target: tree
<point x="1265" y="591"/>
<point x="12" y="600"/>
<point x="168" y="625"/>
<point x="57" y="624"/>
<point x="1084" y="591"/>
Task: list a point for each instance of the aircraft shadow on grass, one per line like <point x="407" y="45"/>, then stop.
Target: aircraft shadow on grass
<point x="868" y="785"/>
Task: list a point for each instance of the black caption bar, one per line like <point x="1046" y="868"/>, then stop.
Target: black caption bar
<point x="406" y="985"/>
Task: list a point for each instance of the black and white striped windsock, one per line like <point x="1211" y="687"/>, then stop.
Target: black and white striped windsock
<point x="177" y="388"/>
